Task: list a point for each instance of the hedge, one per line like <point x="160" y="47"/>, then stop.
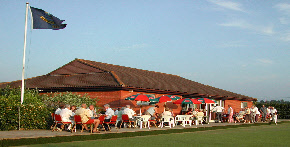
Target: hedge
<point x="35" y="112"/>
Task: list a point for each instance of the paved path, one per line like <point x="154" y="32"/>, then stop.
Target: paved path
<point x="16" y="134"/>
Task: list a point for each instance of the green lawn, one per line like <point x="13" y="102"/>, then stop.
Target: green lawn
<point x="264" y="135"/>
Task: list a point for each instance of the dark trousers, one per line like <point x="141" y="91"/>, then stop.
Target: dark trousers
<point x="105" y="125"/>
<point x="257" y="118"/>
<point x="219" y="116"/>
<point x="264" y="116"/>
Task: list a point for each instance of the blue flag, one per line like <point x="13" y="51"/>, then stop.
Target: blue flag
<point x="44" y="20"/>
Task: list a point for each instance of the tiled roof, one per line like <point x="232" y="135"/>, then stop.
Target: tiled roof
<point x="84" y="73"/>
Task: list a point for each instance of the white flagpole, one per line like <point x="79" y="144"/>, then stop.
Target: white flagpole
<point x="24" y="49"/>
<point x="23" y="69"/>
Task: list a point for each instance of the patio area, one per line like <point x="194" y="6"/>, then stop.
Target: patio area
<point x="20" y="134"/>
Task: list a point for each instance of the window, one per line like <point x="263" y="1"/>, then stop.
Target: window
<point x="244" y="104"/>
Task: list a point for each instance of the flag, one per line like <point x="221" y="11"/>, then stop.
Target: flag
<point x="45" y="20"/>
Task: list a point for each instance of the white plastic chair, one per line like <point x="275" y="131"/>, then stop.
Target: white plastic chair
<point x="179" y="118"/>
<point x="167" y="119"/>
<point x="144" y="119"/>
<point x="199" y="119"/>
<point x="188" y="120"/>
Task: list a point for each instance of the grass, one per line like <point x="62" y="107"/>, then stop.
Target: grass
<point x="256" y="135"/>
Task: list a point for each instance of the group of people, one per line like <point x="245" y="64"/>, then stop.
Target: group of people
<point x="247" y="114"/>
<point x="88" y="115"/>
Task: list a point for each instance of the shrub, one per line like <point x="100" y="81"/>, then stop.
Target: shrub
<point x="283" y="107"/>
<point x="35" y="110"/>
<point x="53" y="100"/>
<point x="33" y="113"/>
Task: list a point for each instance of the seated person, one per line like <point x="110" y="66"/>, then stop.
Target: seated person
<point x="129" y="112"/>
<point x="235" y="117"/>
<point x="200" y="113"/>
<point x="194" y="113"/>
<point x="199" y="117"/>
<point x="240" y="115"/>
<point x="58" y="110"/>
<point x="119" y="118"/>
<point x="73" y="108"/>
<point x="153" y="112"/>
<point x="189" y="111"/>
<point x="86" y="117"/>
<point x="108" y="115"/>
<point x="92" y="111"/>
<point x="166" y="112"/>
<point x="65" y="114"/>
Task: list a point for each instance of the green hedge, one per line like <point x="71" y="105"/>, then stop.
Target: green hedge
<point x="35" y="112"/>
<point x="283" y="107"/>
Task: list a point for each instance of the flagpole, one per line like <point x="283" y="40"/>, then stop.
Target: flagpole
<point x="23" y="69"/>
<point x="24" y="49"/>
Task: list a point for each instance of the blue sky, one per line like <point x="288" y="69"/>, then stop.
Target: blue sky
<point x="240" y="46"/>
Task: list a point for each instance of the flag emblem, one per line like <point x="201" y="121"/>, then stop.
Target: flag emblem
<point x="45" y="20"/>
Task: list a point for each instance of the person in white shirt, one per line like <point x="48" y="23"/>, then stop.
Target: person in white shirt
<point x="109" y="112"/>
<point x="117" y="111"/>
<point x="57" y="111"/>
<point x="166" y="112"/>
<point x="268" y="111"/>
<point x="129" y="112"/>
<point x="108" y="115"/>
<point x="273" y="111"/>
<point x="65" y="114"/>
<point x="253" y="114"/>
<point x="219" y="110"/>
<point x="257" y="113"/>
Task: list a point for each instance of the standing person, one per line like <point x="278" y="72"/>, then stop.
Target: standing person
<point x="66" y="114"/>
<point x="86" y="118"/>
<point x="263" y="110"/>
<point x="129" y="112"/>
<point x="108" y="115"/>
<point x="273" y="111"/>
<point x="248" y="115"/>
<point x="275" y="117"/>
<point x="219" y="111"/>
<point x="231" y="113"/>
<point x="253" y="114"/>
<point x="257" y="112"/>
<point x="268" y="112"/>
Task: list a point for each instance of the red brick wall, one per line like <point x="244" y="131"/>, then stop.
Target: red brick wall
<point x="117" y="99"/>
<point x="105" y="97"/>
<point x="236" y="104"/>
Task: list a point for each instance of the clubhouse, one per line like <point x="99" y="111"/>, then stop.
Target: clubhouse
<point x="111" y="84"/>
